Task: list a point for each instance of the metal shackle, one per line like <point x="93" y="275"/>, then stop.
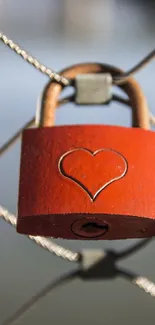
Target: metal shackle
<point x="138" y="103"/>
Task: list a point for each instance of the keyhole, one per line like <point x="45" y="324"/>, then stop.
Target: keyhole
<point x="87" y="228"/>
<point x="91" y="227"/>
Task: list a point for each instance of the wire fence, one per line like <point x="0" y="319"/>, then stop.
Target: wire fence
<point x="106" y="265"/>
<point x="105" y="269"/>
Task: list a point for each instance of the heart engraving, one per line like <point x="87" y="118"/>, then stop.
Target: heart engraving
<point x="93" y="171"/>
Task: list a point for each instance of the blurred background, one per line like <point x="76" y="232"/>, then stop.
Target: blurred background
<point x="60" y="33"/>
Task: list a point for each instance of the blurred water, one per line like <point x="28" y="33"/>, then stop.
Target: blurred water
<point x="60" y="34"/>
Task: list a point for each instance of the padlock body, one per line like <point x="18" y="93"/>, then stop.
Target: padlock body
<point x="87" y="182"/>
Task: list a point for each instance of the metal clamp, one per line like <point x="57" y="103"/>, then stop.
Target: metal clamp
<point x="93" y="88"/>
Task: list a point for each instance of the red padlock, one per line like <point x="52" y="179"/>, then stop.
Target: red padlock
<point x="88" y="181"/>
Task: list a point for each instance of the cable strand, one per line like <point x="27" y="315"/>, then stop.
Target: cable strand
<point x="42" y="241"/>
<point x="117" y="80"/>
<point x="33" y="61"/>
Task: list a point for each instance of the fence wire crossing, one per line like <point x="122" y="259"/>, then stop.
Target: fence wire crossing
<point x="107" y="267"/>
<point x="104" y="270"/>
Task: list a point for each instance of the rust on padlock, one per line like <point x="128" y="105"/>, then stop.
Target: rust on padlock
<point x="88" y="181"/>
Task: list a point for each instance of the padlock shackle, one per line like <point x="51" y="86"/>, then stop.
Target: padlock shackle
<point x="140" y="111"/>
